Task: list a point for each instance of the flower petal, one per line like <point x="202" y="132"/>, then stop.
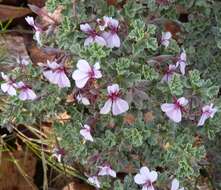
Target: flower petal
<point x="107" y="107"/>
<point x="83" y="66"/>
<point x="152" y="176"/>
<point x="85" y="28"/>
<point x="114" y="88"/>
<point x="119" y="106"/>
<point x="175" y="184"/>
<point x="140" y="179"/>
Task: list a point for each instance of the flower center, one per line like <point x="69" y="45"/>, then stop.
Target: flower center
<point x="113" y="96"/>
<point x="148" y="183"/>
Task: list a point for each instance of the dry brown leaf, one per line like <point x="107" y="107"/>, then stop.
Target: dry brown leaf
<point x="129" y="119"/>
<point x="70" y="98"/>
<point x="11" y="12"/>
<point x="26" y="161"/>
<point x="39" y="3"/>
<point x="148" y="117"/>
<point x="63" y="117"/>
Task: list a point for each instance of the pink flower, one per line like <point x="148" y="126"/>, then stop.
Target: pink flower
<point x="111" y="36"/>
<point x="103" y="23"/>
<point x="26" y="93"/>
<point x="85" y="72"/>
<point x="38" y="30"/>
<point x="118" y="105"/>
<point x="9" y="86"/>
<point x="94" y="180"/>
<point x="92" y="35"/>
<point x="86" y="133"/>
<point x="106" y="170"/>
<point x="83" y="100"/>
<point x="58" y="153"/>
<point x="146" y="178"/>
<point x="56" y="74"/>
<point x="175" y="185"/>
<point x="169" y="73"/>
<point x="174" y="110"/>
<point x="165" y="39"/>
<point x="207" y="112"/>
<point x="182" y="62"/>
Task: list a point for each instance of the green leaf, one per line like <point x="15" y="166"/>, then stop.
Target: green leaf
<point x="152" y="44"/>
<point x="175" y="85"/>
<point x="149" y="73"/>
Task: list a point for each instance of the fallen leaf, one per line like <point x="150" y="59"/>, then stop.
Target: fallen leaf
<point x="148" y="117"/>
<point x="173" y="28"/>
<point x="63" y="117"/>
<point x="129" y="119"/>
<point x="78" y="185"/>
<point x="39" y="3"/>
<point x="11" y="12"/>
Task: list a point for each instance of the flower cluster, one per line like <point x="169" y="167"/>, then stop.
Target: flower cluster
<point x="106" y="34"/>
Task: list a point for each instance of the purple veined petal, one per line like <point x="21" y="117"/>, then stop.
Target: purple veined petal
<point x="112" y="39"/>
<point x="80" y="78"/>
<point x="167" y="77"/>
<point x="114" y="88"/>
<point x="30" y="21"/>
<point x="144" y="171"/>
<point x="100" y="41"/>
<point x="167" y="107"/>
<point x="175" y="115"/>
<point x="86" y="134"/>
<point x="11" y="91"/>
<point x="49" y="75"/>
<point x="88" y="41"/>
<point x="63" y="80"/>
<point x="23" y="95"/>
<point x="182" y="101"/>
<point x="107" y="107"/>
<point x="97" y="74"/>
<point x="202" y="120"/>
<point x="183" y="56"/>
<point x="85" y="101"/>
<point x="175" y="184"/>
<point x="112" y="22"/>
<point x="31" y="94"/>
<point x="103" y="171"/>
<point x="20" y="84"/>
<point x="166" y="36"/>
<point x="152" y="176"/>
<point x="86" y="28"/>
<point x="83" y="66"/>
<point x="119" y="106"/>
<point x="140" y="179"/>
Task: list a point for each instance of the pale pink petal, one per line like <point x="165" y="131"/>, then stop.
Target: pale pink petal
<point x="85" y="101"/>
<point x="94" y="180"/>
<point x="167" y="35"/>
<point x="37" y="37"/>
<point x="86" y="134"/>
<point x="30" y="21"/>
<point x="144" y="170"/>
<point x="175" y="115"/>
<point x="83" y="66"/>
<point x="112" y="39"/>
<point x="11" y="91"/>
<point x="80" y="78"/>
<point x="175" y="184"/>
<point x="23" y="95"/>
<point x="183" y="56"/>
<point x="140" y="179"/>
<point x="144" y="187"/>
<point x="5" y="77"/>
<point x="63" y="80"/>
<point x="100" y="41"/>
<point x="97" y="74"/>
<point x="202" y="120"/>
<point x="165" y="43"/>
<point x="152" y="176"/>
<point x="85" y="28"/>
<point x="182" y="101"/>
<point x="107" y="107"/>
<point x="112" y="173"/>
<point x="167" y="107"/>
<point x="114" y="88"/>
<point x="182" y="67"/>
<point x="31" y="94"/>
<point x="119" y="106"/>
<point x="89" y="40"/>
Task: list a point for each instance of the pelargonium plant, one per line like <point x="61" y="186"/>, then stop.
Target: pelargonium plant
<point x="135" y="90"/>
